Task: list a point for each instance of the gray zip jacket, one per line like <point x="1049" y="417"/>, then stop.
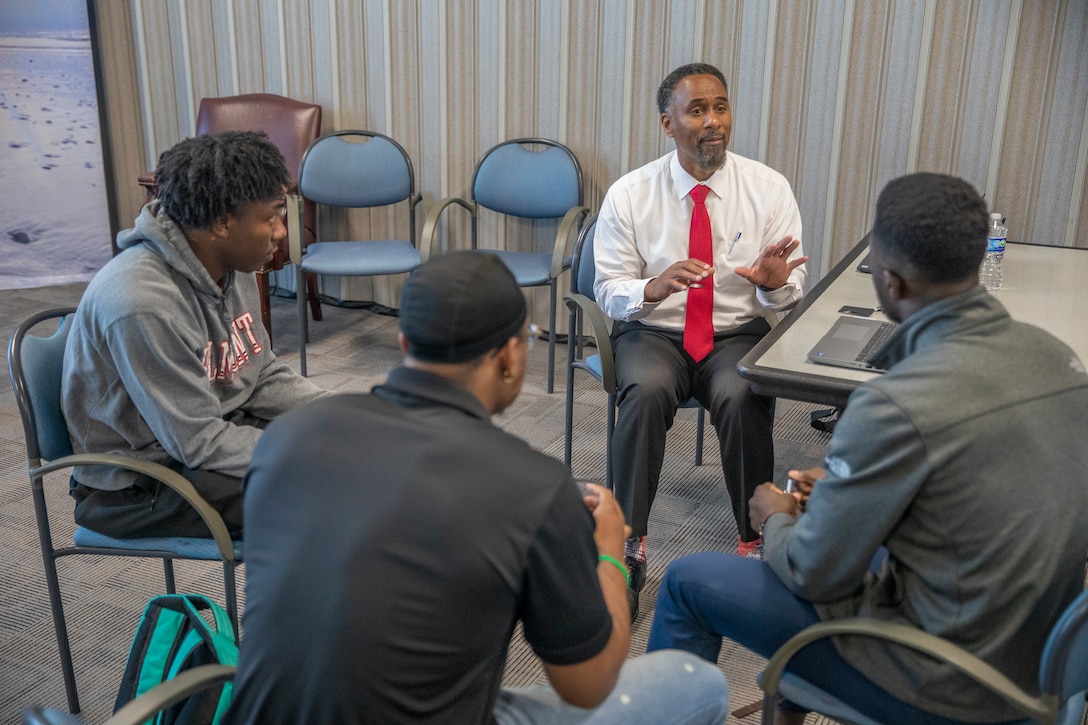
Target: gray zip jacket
<point x="164" y="365"/>
<point x="967" y="460"/>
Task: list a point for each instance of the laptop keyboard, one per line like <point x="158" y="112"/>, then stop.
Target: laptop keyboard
<point x="877" y="341"/>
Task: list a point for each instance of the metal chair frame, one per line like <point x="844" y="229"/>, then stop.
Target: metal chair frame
<point x="49" y="450"/>
<point x="1063" y="669"/>
<point x="582" y="306"/>
<point x="560" y="260"/>
<point x="295" y="211"/>
<point x="147" y="705"/>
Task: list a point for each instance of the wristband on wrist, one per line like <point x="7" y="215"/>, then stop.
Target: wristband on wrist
<point x="618" y="564"/>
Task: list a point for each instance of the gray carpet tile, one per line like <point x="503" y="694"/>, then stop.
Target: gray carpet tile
<point x="351" y="350"/>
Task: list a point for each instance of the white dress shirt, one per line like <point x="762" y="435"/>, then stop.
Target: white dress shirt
<point x="643" y="228"/>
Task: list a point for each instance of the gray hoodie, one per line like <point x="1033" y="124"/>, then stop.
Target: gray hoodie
<point x="164" y="365"/>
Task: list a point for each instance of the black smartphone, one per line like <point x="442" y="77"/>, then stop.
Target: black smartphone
<point x="863" y="265"/>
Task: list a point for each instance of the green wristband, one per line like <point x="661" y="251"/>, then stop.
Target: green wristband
<point x="618" y="564"/>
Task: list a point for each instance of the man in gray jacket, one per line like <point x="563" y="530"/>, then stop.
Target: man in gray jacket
<point x="167" y="359"/>
<point x="954" y="498"/>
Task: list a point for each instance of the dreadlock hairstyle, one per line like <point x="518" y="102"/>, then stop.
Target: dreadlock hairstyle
<point x="204" y="178"/>
<point x="668" y="86"/>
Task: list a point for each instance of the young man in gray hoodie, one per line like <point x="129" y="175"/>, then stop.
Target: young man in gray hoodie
<point x="167" y="359"/>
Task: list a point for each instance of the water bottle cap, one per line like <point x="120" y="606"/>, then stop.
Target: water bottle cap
<point x="995" y="215"/>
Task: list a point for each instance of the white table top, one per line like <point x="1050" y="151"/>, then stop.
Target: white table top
<point x="1045" y="286"/>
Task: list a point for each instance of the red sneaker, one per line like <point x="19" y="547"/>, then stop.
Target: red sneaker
<point x="750" y="549"/>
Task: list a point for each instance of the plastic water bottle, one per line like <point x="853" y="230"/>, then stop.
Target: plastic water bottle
<point x="991" y="274"/>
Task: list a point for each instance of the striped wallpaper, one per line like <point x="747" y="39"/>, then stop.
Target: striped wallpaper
<point x="838" y="95"/>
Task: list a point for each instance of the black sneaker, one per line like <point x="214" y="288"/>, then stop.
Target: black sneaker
<point x="637" y="570"/>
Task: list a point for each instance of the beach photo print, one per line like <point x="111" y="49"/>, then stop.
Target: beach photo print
<point x="54" y="219"/>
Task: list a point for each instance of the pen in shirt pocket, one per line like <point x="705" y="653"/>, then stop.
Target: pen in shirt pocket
<point x="735" y="240"/>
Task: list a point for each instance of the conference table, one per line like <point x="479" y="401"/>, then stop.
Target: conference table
<point x="1046" y="286"/>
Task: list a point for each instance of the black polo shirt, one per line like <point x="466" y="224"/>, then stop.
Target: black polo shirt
<point x="393" y="540"/>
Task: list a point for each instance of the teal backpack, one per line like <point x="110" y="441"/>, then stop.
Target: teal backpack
<point x="174" y="636"/>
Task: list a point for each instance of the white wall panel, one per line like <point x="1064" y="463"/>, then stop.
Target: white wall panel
<point x="735" y="41"/>
<point x="249" y="48"/>
<point x="1059" y="135"/>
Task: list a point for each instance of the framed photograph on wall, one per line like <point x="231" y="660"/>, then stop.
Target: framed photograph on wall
<point x="54" y="213"/>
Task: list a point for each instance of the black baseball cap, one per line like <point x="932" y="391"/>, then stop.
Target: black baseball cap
<point x="458" y="306"/>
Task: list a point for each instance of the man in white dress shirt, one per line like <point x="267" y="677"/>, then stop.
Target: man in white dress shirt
<point x="751" y="264"/>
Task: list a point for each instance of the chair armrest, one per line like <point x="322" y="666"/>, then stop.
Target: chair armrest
<point x="173" y="691"/>
<point x="598" y="326"/>
<point x="294" y="228"/>
<point x="160" y="473"/>
<point x="425" y="198"/>
<point x="916" y="639"/>
<point x="572" y="221"/>
<point x="428" y="241"/>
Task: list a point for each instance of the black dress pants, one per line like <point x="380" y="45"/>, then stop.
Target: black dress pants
<point x="655" y="375"/>
<point x="149" y="508"/>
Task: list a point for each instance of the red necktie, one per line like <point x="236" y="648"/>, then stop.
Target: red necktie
<point x="699" y="323"/>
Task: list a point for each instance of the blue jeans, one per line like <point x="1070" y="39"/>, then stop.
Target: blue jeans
<point x="710" y="595"/>
<point x="663" y="687"/>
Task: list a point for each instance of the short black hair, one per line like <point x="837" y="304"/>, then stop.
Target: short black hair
<point x="204" y="178"/>
<point x="668" y="86"/>
<point x="934" y="222"/>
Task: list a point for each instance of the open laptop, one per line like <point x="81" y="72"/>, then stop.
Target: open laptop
<point x="850" y="343"/>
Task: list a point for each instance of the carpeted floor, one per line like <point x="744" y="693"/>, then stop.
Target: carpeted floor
<point x="351" y="350"/>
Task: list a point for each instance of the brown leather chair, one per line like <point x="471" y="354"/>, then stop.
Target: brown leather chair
<point x="291" y="125"/>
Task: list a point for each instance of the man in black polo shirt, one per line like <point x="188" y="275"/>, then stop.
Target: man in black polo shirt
<point x="394" y="539"/>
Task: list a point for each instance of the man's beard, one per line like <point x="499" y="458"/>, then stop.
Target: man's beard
<point x="711" y="158"/>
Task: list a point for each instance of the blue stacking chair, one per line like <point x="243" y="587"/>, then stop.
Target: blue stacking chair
<point x="1063" y="670"/>
<point x="514" y="179"/>
<point x="35" y="365"/>
<point x="353" y="169"/>
<point x="582" y="306"/>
